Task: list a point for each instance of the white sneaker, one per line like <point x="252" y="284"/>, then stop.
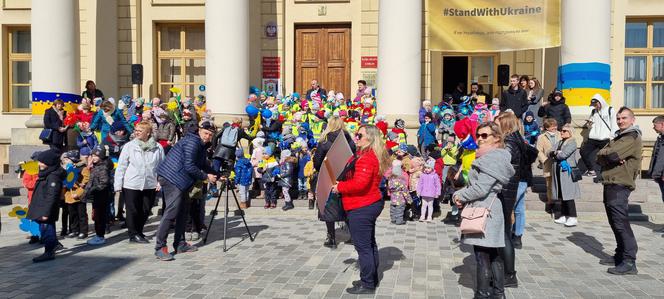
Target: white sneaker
<point x="560" y="220"/>
<point x="97" y="240"/>
<point x="421" y="219"/>
<point x="571" y="221"/>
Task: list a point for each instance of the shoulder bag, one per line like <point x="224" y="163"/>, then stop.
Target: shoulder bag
<point x="473" y="219"/>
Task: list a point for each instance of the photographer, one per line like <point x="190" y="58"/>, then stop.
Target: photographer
<point x="184" y="165"/>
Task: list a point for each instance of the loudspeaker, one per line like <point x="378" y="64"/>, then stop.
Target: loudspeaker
<point x="137" y="74"/>
<point x="503" y="74"/>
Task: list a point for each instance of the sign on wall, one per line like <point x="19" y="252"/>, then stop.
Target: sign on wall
<point x="369" y="62"/>
<point x="271" y="86"/>
<point x="493" y="25"/>
<point x="271" y="67"/>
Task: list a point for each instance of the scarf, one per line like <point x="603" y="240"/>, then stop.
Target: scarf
<point x="108" y="117"/>
<point x="61" y="114"/>
<point x="484" y="149"/>
<point x="147" y="145"/>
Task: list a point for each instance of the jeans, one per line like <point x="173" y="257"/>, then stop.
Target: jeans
<point x="520" y="209"/>
<point x="175" y="210"/>
<point x="139" y="204"/>
<point x="244" y="193"/>
<point x="396" y="213"/>
<point x="362" y="225"/>
<point x="48" y="237"/>
<point x="615" y="203"/>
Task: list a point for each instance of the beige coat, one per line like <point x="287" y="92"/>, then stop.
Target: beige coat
<point x="544" y="146"/>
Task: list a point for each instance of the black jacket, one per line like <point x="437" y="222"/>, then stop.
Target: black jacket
<point x="515" y="145"/>
<point x="516" y="100"/>
<point x="47" y="194"/>
<point x="656" y="169"/>
<point x="97" y="94"/>
<point x="321" y="92"/>
<point x="52" y="121"/>
<point x="557" y="110"/>
<point x="324" y="147"/>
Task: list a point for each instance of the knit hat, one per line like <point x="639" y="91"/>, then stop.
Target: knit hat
<point x="186" y="112"/>
<point x="239" y="153"/>
<point x="267" y="151"/>
<point x="431" y="163"/>
<point x="391" y="135"/>
<point x="260" y="134"/>
<point x="99" y="151"/>
<point x="403" y="147"/>
<point x="400" y="123"/>
<point x="495" y="101"/>
<point x="285" y="154"/>
<point x="49" y="157"/>
<point x="339" y="96"/>
<point x="72" y="155"/>
<point x="117" y="126"/>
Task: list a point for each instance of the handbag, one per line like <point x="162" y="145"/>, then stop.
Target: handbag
<point x="334" y="209"/>
<point x="473" y="219"/>
<point x="576" y="174"/>
<point x="46" y="135"/>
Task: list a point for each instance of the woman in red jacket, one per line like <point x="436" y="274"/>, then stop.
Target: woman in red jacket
<point x="363" y="202"/>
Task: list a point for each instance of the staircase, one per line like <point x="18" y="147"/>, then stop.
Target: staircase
<point x="11" y="190"/>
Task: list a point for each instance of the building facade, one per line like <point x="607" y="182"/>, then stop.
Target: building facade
<point x="220" y="48"/>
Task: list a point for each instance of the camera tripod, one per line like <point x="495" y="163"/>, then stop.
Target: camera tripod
<point x="227" y="187"/>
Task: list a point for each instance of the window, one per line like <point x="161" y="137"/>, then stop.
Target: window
<point x="19" y="70"/>
<point x="181" y="58"/>
<point x="644" y="64"/>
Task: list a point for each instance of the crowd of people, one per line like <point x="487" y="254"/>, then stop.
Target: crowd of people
<point x="131" y="155"/>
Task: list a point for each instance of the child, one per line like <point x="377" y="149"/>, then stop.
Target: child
<point x="86" y="140"/>
<point x="450" y="152"/>
<point x="287" y="177"/>
<point x="303" y="158"/>
<point x="117" y="138"/>
<point x="426" y="135"/>
<point x="100" y="176"/>
<point x="494" y="110"/>
<point x="397" y="186"/>
<point x="416" y="167"/>
<point x="531" y="128"/>
<point x="78" y="215"/>
<point x="446" y="126"/>
<point x="269" y="168"/>
<point x="428" y="188"/>
<point x="243" y="176"/>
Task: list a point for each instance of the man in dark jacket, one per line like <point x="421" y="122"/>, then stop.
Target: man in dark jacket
<point x="514" y="98"/>
<point x="656" y="169"/>
<point x="44" y="205"/>
<point x="556" y="108"/>
<point x="184" y="165"/>
<point x="621" y="162"/>
<point x="315" y="88"/>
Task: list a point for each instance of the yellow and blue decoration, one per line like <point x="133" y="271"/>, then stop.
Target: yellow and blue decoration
<point x="71" y="177"/>
<point x="41" y="101"/>
<point x="26" y="224"/>
<point x="580" y="81"/>
<point x="30" y="167"/>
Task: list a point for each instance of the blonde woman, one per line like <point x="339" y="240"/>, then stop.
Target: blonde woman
<point x="363" y="202"/>
<point x="335" y="126"/>
<point x="564" y="190"/>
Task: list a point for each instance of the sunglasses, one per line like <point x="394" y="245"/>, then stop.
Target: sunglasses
<point x="483" y="135"/>
<point x="566" y="131"/>
<point x="359" y="136"/>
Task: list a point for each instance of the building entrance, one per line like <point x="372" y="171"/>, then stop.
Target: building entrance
<point x="466" y="69"/>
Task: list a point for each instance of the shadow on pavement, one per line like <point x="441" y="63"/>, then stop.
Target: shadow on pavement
<point x="466" y="270"/>
<point x="589" y="244"/>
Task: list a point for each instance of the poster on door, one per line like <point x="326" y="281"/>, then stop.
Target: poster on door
<point x="271" y="86"/>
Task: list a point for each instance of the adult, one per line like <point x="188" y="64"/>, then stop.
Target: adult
<point x="564" y="189"/>
<point x="106" y="117"/>
<point x="656" y="169"/>
<point x="556" y="108"/>
<point x="514" y="143"/>
<point x="136" y="178"/>
<point x="477" y="94"/>
<point x="603" y="126"/>
<point x="489" y="172"/>
<point x="363" y="203"/>
<point x="458" y="93"/>
<point x="335" y="127"/>
<point x="54" y="118"/>
<point x="184" y="165"/>
<point x="315" y="89"/>
<point x="426" y="108"/>
<point x="514" y="98"/>
<point x="163" y="129"/>
<point x="535" y="94"/>
<point x="620" y="160"/>
<point x="44" y="206"/>
<point x="545" y="144"/>
<point x="523" y="83"/>
<point x="361" y="87"/>
<point x="91" y="91"/>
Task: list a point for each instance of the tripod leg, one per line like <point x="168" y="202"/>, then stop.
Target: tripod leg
<point x="251" y="237"/>
<point x="226" y="218"/>
<point x="213" y="213"/>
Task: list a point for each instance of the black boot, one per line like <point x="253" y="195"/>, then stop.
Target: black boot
<point x="46" y="256"/>
<point x="311" y="204"/>
<point x="626" y="267"/>
<point x="288" y="206"/>
<point x="507" y="255"/>
<point x="612" y="261"/>
<point x="498" y="271"/>
<point x="330" y="242"/>
<point x="483" y="288"/>
<point x="511" y="281"/>
<point x="517" y="242"/>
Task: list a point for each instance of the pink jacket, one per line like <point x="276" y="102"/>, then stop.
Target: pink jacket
<point x="429" y="185"/>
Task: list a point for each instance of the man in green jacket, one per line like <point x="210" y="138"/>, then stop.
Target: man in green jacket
<point x="620" y="160"/>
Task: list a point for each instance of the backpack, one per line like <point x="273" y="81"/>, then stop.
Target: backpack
<point x="229" y="137"/>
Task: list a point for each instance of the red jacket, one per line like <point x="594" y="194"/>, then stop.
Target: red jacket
<point x="438" y="167"/>
<point x="361" y="189"/>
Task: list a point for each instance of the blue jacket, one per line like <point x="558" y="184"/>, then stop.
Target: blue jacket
<point x="427" y="134"/>
<point x="85" y="149"/>
<point x="243" y="172"/>
<point x="185" y="163"/>
<point x="301" y="164"/>
<point x="99" y="123"/>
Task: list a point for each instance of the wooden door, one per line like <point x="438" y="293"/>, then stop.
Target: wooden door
<point x="322" y="52"/>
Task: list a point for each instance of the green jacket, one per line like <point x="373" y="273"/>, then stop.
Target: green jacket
<point x="621" y="158"/>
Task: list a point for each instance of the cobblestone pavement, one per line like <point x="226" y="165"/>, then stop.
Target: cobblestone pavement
<point x="417" y="260"/>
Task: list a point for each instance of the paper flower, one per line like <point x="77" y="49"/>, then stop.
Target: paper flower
<point x="70" y="120"/>
<point x="29" y="226"/>
<point x="18" y="212"/>
<point x="172" y="106"/>
<point x="72" y="176"/>
<point x="175" y="90"/>
<point x="30" y="167"/>
<point x="115" y="162"/>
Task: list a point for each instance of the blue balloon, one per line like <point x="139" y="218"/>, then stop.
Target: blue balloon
<point x="435" y="109"/>
<point x="266" y="113"/>
<point x="251" y="111"/>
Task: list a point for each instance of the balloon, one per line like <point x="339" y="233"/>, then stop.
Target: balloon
<point x="266" y="113"/>
<point x="251" y="110"/>
<point x="435" y="109"/>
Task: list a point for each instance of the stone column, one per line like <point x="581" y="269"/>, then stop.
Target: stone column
<point x="585" y="66"/>
<point x="227" y="57"/>
<point x="399" y="59"/>
<point x="55" y="56"/>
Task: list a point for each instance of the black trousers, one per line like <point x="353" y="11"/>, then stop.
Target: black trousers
<point x="565" y="208"/>
<point x="78" y="217"/>
<point x="507" y="253"/>
<point x="175" y="211"/>
<point x="121" y="206"/>
<point x="615" y="203"/>
<point x="195" y="221"/>
<point x="64" y="218"/>
<point x="489" y="269"/>
<point x="101" y="207"/>
<point x="139" y="204"/>
<point x="362" y="224"/>
<point x="589" y="150"/>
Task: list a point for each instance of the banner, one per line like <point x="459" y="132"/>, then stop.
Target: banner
<point x="493" y="25"/>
